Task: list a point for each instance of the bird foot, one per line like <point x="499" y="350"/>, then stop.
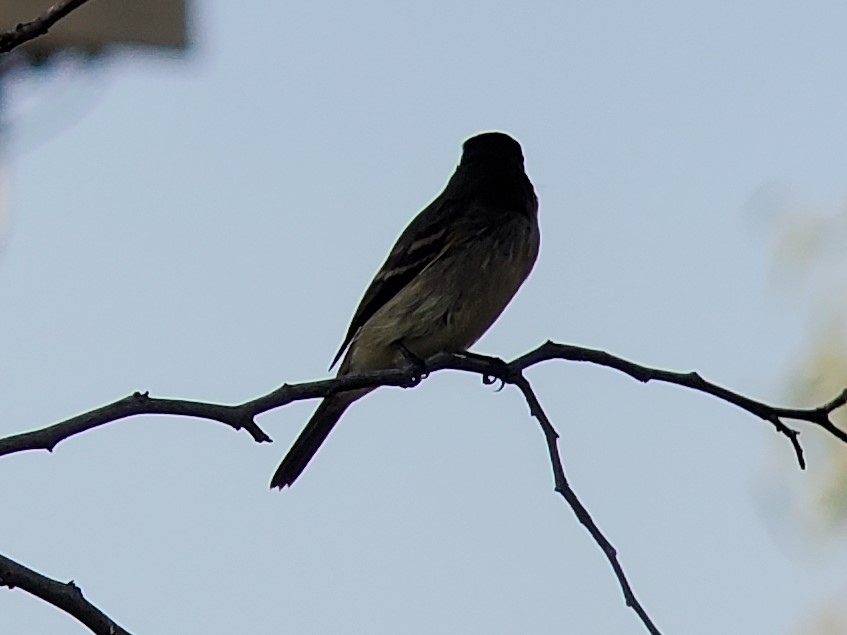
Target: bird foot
<point x="417" y="365"/>
<point x="501" y="371"/>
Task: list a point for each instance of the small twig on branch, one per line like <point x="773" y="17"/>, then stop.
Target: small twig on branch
<point x="66" y="596"/>
<point x="26" y="31"/>
<point x="242" y="416"/>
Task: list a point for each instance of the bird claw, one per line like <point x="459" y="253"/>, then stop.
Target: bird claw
<point x="416" y="364"/>
<point x="488" y="380"/>
<point x="503" y="374"/>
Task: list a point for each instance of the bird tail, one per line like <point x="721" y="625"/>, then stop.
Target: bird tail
<point x="314" y="434"/>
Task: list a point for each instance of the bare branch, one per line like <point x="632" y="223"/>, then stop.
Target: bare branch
<point x="567" y="492"/>
<point x="66" y="596"/>
<point x="242" y="416"/>
<point x="26" y="31"/>
<point x="135" y="404"/>
<point x="819" y="416"/>
<point x="238" y="417"/>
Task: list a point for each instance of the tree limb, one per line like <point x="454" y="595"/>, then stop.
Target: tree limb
<point x="242" y="416"/>
<point x="26" y="31"/>
<point x="66" y="596"/>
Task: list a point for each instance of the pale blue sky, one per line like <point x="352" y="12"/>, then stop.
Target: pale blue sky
<point x="204" y="228"/>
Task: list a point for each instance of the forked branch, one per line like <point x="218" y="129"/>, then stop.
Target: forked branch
<point x="242" y="416"/>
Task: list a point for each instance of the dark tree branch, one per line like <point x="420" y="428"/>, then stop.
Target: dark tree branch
<point x="819" y="416"/>
<point x="26" y="31"/>
<point x="135" y="404"/>
<point x="66" y="596"/>
<point x="564" y="488"/>
<point x="242" y="416"/>
<point x="238" y="417"/>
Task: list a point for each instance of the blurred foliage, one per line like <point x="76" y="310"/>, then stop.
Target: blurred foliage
<point x="827" y="623"/>
<point x="810" y="267"/>
<point x="810" y="263"/>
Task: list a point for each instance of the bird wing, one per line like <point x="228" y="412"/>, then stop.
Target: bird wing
<point x="417" y="247"/>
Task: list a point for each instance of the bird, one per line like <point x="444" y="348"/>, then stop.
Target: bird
<point x="445" y="281"/>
